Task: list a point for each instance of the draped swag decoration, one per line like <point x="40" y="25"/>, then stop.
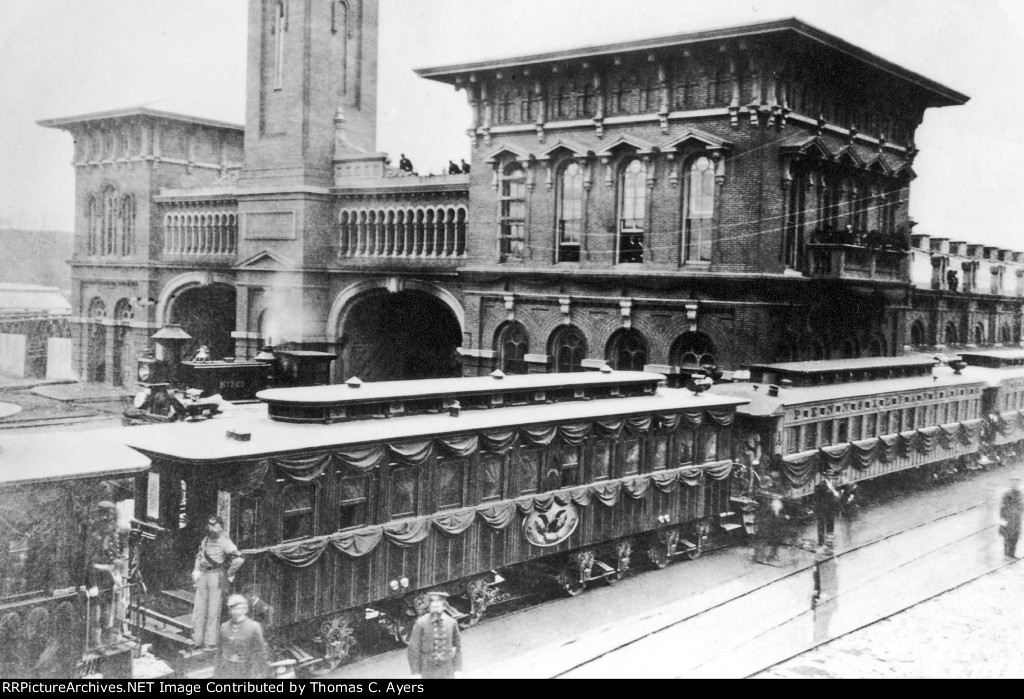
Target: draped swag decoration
<point x="1008" y="424"/>
<point x="497" y="516"/>
<point x="861" y="455"/>
<point x="245" y="479"/>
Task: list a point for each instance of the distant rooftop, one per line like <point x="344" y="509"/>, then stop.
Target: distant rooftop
<point x="941" y="95"/>
<point x="124" y="112"/>
<point x="29" y="298"/>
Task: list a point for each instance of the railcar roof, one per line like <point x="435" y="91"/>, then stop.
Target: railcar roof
<point x="996" y="353"/>
<point x="430" y="388"/>
<point x="55" y="456"/>
<point x="832" y="365"/>
<point x="761" y="404"/>
<point x="207" y="441"/>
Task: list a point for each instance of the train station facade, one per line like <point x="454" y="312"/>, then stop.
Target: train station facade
<point x="726" y="197"/>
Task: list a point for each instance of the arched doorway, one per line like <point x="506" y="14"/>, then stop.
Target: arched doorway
<point x="394" y="336"/>
<point x="207" y="313"/>
<point x="122" y="370"/>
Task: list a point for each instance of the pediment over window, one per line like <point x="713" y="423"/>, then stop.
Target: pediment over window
<point x="268" y="261"/>
<point x="564" y="145"/>
<point x="904" y="171"/>
<point x="880" y="165"/>
<point x="628" y="142"/>
<point x="808" y="147"/>
<point x="506" y="149"/>
<point x="847" y="155"/>
<point x="695" y="138"/>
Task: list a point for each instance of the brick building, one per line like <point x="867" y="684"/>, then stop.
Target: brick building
<point x="722" y="197"/>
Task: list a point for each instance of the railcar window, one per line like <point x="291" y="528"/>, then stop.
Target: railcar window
<point x="793" y="440"/>
<point x="15" y="565"/>
<point x="897" y="420"/>
<point x="870" y="425"/>
<point x="954" y="411"/>
<point x="528" y="471"/>
<point x="686" y="444"/>
<point x="153" y="495"/>
<point x="404" y="491"/>
<point x="569" y="464"/>
<point x="354" y="507"/>
<point x="660" y="453"/>
<point x="298" y="500"/>
<point x="710" y="450"/>
<point x="810" y="436"/>
<point x="842" y="431"/>
<point x="631" y="457"/>
<point x="826" y="433"/>
<point x="492" y="477"/>
<point x="183" y="506"/>
<point x="856" y="424"/>
<point x="600" y="465"/>
<point x="449" y="484"/>
<point x="911" y="417"/>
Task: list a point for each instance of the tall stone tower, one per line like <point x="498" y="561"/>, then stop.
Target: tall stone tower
<point x="307" y="58"/>
<point x="310" y="62"/>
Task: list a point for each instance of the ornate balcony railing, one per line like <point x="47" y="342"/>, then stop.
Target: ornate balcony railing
<point x="403" y="232"/>
<point x="842" y="261"/>
<point x="201" y="232"/>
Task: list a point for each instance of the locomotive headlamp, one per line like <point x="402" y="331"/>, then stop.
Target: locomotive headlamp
<point x="393" y="585"/>
<point x="404" y="582"/>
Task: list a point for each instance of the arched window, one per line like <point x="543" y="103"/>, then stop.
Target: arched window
<point x="684" y="90"/>
<point x="632" y="211"/>
<point x="298" y="511"/>
<point x="693" y="350"/>
<point x="796" y="219"/>
<point x="97" y="309"/>
<point x="876" y="348"/>
<point x="627" y="351"/>
<point x="951" y="334"/>
<point x="279" y="28"/>
<point x="979" y="334"/>
<point x="849" y="348"/>
<point x="700" y="208"/>
<point x="1005" y="334"/>
<point x="108" y="233"/>
<point x="719" y="89"/>
<point x="568" y="348"/>
<point x="917" y="333"/>
<point x="93" y="225"/>
<point x="511" y="343"/>
<point x="123" y="311"/>
<point x="513" y="213"/>
<point x="570" y="213"/>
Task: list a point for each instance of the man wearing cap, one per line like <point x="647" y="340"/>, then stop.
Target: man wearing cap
<point x="826" y="507"/>
<point x="1010" y="512"/>
<point x="216" y="564"/>
<point x="243" y="652"/>
<point x="435" y="651"/>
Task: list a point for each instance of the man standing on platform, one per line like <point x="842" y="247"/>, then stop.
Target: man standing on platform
<point x="826" y="506"/>
<point x="1010" y="512"/>
<point x="243" y="652"/>
<point x="435" y="651"/>
<point x="216" y="564"/>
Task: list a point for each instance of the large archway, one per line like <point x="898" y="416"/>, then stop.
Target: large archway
<point x="393" y="336"/>
<point x="207" y="313"/>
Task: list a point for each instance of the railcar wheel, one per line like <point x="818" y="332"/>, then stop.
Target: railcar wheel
<point x="658" y="556"/>
<point x="569" y="581"/>
<point x="694" y="553"/>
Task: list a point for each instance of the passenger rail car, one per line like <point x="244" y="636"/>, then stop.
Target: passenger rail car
<point x="353" y="501"/>
<point x="1003" y="400"/>
<point x="64" y="573"/>
<point x="859" y="418"/>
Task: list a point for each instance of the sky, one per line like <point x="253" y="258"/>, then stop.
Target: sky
<point x="66" y="57"/>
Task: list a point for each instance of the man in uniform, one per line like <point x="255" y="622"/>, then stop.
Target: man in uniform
<point x="435" y="651"/>
<point x="216" y="564"/>
<point x="1011" y="510"/>
<point x="243" y="652"/>
<point x="826" y="507"/>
